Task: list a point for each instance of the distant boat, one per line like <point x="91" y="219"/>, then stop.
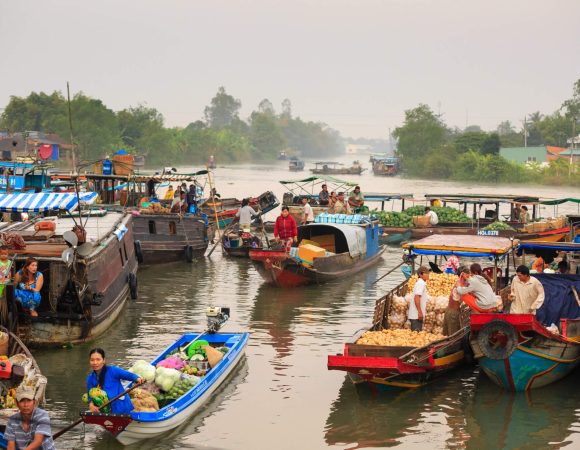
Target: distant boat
<point x="389" y="166"/>
<point x="335" y="168"/>
<point x="282" y="156"/>
<point x="211" y="164"/>
<point x="295" y="164"/>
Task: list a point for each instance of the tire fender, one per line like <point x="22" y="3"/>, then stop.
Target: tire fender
<point x="138" y="252"/>
<point x="497" y="339"/>
<point x="188" y="253"/>
<point x="133" y="286"/>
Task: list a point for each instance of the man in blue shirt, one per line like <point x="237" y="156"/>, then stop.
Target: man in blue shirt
<point x="30" y="428"/>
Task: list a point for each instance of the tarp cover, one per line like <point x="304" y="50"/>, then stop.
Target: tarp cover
<point x="355" y="236"/>
<point x="560" y="302"/>
<point x="44" y="201"/>
<point x="448" y="244"/>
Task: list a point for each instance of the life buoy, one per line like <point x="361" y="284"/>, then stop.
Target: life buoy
<point x="133" y="286"/>
<point x="188" y="253"/>
<point x="497" y="339"/>
<point x="138" y="252"/>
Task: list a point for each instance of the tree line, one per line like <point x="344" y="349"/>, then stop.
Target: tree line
<point x="428" y="148"/>
<point x="99" y="131"/>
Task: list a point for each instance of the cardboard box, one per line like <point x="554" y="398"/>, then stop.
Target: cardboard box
<point x="308" y="252"/>
<point x="326" y="241"/>
<point x="421" y="221"/>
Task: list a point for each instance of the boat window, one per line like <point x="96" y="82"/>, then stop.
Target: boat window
<point x="172" y="227"/>
<point x="152" y="228"/>
<point x="121" y="256"/>
<point x="125" y="249"/>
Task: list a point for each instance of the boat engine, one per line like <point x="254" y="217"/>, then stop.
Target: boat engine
<point x="216" y="317"/>
<point x="11" y="372"/>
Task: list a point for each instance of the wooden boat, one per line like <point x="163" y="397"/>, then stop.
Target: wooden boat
<point x="32" y="373"/>
<point x="138" y="426"/>
<point x="386" y="167"/>
<point x="226" y="208"/>
<point x="295" y="164"/>
<point x="352" y="248"/>
<point x="383" y="367"/>
<point x="83" y="294"/>
<point x="396" y="238"/>
<point x="335" y="168"/>
<point x="238" y="244"/>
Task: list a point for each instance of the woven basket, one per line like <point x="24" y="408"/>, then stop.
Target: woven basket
<point x="421" y="221"/>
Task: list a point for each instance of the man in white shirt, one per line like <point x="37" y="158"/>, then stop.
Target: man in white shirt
<point x="418" y="304"/>
<point x="308" y="213"/>
<point x="245" y="215"/>
<point x="527" y="293"/>
<point x="433" y="219"/>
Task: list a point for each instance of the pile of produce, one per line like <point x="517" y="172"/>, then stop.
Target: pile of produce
<point x="155" y="208"/>
<point x="143" y="400"/>
<point x="439" y="284"/>
<point x="181" y="386"/>
<point x="399" y="338"/>
<point x="498" y="226"/>
<point x="394" y="219"/>
<point x="433" y="320"/>
<point x="98" y="397"/>
<point x="8" y="387"/>
<point x="445" y="214"/>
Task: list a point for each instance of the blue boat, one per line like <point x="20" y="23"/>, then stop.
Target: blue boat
<point x="522" y="351"/>
<point x="24" y="176"/>
<point x="134" y="427"/>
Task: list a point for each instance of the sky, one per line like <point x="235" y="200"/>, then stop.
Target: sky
<point x="355" y="65"/>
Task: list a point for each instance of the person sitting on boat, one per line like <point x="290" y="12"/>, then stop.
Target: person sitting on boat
<point x="483" y="298"/>
<point x="308" y="212"/>
<point x="245" y="215"/>
<point x="452" y="265"/>
<point x="191" y="199"/>
<point x="451" y="322"/>
<point x="563" y="267"/>
<point x="29" y="281"/>
<point x="214" y="193"/>
<point x="323" y="197"/>
<point x="29" y="428"/>
<point x="539" y="265"/>
<point x="5" y="266"/>
<point x="341" y="206"/>
<point x="179" y="205"/>
<point x="356" y="199"/>
<point x="524" y="214"/>
<point x="418" y="304"/>
<point x="285" y="229"/>
<point x="332" y="200"/>
<point x="169" y="193"/>
<point x="527" y="293"/>
<point x="108" y="381"/>
<point x="433" y="218"/>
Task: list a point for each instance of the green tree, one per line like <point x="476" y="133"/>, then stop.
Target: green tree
<point x="224" y="109"/>
<point x="470" y="140"/>
<point x="265" y="135"/>
<point x="491" y="145"/>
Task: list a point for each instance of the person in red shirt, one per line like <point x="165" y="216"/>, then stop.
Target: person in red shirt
<point x="285" y="229"/>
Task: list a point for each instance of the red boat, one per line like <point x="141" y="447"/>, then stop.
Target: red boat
<point x="352" y="248"/>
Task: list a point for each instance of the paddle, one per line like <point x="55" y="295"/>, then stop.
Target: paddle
<point x="389" y="272"/>
<point x="264" y="229"/>
<point x="74" y="424"/>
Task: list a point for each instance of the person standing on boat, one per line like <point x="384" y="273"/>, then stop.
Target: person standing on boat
<point x="169" y="193"/>
<point x="29" y="281"/>
<point x="524" y="214"/>
<point x="418" y="304"/>
<point x="451" y="322"/>
<point x="108" y="380"/>
<point x="323" y="197"/>
<point x="527" y="293"/>
<point x="308" y="212"/>
<point x="433" y="218"/>
<point x="341" y="206"/>
<point x="245" y="215"/>
<point x="285" y="229"/>
<point x="29" y="428"/>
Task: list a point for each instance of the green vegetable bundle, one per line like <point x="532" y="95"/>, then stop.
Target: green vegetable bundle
<point x="498" y="226"/>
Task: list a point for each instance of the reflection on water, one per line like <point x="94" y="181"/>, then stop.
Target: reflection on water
<point x="282" y="396"/>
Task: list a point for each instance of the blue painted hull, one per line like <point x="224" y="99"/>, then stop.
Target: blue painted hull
<point x="527" y="369"/>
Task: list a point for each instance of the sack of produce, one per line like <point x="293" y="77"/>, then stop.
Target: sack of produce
<point x="213" y="356"/>
<point x="165" y="378"/>
<point x="172" y="362"/>
<point x="143" y="400"/>
<point x="144" y="370"/>
<point x="398" y="312"/>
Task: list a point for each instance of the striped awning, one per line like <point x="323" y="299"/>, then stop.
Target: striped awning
<point x="44" y="201"/>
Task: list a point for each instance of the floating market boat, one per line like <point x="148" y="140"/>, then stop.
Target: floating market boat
<point x="335" y="168"/>
<point x="20" y="367"/>
<point x="89" y="266"/>
<point x="384" y="367"/>
<point x="138" y="426"/>
<point x="295" y="164"/>
<point x="25" y="174"/>
<point x="386" y="167"/>
<point x="239" y="243"/>
<point x="517" y="351"/>
<point x="226" y="208"/>
<point x="327" y="252"/>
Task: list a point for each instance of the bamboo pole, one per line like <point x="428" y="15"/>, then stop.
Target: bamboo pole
<point x="217" y="222"/>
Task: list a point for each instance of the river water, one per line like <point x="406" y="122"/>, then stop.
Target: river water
<point x="282" y="396"/>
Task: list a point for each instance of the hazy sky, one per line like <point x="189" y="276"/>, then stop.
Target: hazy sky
<point x="356" y="65"/>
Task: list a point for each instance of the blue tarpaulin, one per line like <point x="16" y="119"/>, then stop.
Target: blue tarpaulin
<point x="44" y="201"/>
<point x="560" y="302"/>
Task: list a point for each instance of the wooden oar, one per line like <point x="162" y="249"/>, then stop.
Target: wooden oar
<point x="74" y="424"/>
<point x="389" y="272"/>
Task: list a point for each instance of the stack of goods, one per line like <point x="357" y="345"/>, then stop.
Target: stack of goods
<point x="399" y="338"/>
<point x="175" y="375"/>
<point x="155" y="208"/>
<point x="22" y="373"/>
<point x="439" y="287"/>
<point x="405" y="219"/>
<point x="499" y="226"/>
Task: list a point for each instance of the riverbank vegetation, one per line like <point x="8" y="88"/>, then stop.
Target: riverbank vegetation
<point x="99" y="131"/>
<point x="430" y="149"/>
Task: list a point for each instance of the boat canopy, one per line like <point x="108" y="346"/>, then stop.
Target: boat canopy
<point x="44" y="201"/>
<point x="462" y="245"/>
<point x="311" y="184"/>
<point x="556" y="246"/>
<point x="559" y="201"/>
<point x="161" y="178"/>
<point x="347" y="238"/>
<point x="378" y="197"/>
<point x="484" y="198"/>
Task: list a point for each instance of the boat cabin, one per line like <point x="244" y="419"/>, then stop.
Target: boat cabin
<point x="24" y="176"/>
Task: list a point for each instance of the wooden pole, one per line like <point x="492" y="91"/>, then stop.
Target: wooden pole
<point x="72" y="146"/>
<point x="217" y="222"/>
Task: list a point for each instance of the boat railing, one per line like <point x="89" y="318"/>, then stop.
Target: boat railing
<point x="383" y="306"/>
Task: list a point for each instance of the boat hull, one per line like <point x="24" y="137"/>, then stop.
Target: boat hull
<point x="277" y="268"/>
<point x="538" y="359"/>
